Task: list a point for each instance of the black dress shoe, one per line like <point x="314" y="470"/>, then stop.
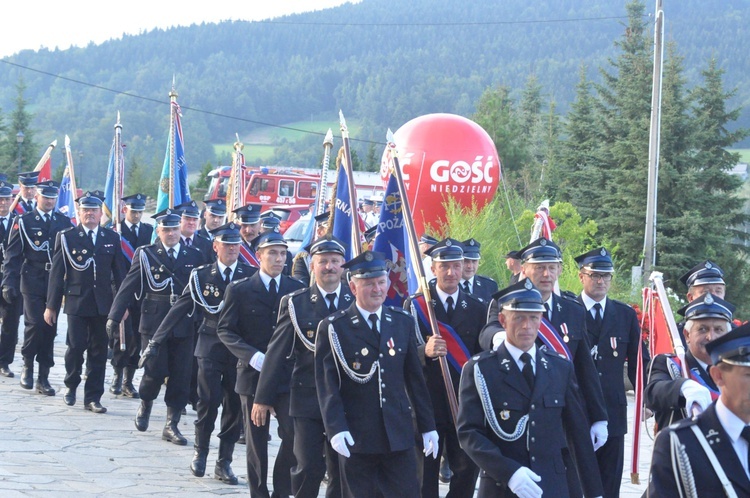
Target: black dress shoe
<point x="27" y="377"/>
<point x="198" y="465"/>
<point x="95" y="406"/>
<point x="223" y="472"/>
<point x="70" y="397"/>
<point x="143" y="415"/>
<point x="43" y="387"/>
<point x="6" y="372"/>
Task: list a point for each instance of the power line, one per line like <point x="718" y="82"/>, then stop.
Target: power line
<point x="441" y="24"/>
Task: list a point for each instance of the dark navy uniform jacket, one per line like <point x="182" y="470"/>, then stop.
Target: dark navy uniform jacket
<point x="293" y="339"/>
<point x="145" y="232"/>
<point x="246" y="324"/>
<point x="379" y="413"/>
<point x="152" y="267"/>
<point x="555" y="416"/>
<point x="662" y="480"/>
<point x="84" y="273"/>
<point x="28" y="257"/>
<point x="483" y="288"/>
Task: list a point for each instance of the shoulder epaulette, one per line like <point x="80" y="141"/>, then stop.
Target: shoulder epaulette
<point x="485" y="277"/>
<point x="201" y="267"/>
<point x="399" y="310"/>
<point x="483" y="356"/>
<point x="337" y="315"/>
<point x="569" y="295"/>
<point x="298" y="291"/>
<point x="65" y="230"/>
<point x="472" y="297"/>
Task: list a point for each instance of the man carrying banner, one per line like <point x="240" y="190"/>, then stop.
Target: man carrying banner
<point x="301" y="262"/>
<point x="668" y="393"/>
<point x="27" y="190"/>
<point x="245" y="327"/>
<point x="28" y="261"/>
<point x="613" y="334"/>
<point x="478" y="285"/>
<point x="299" y="315"/>
<point x="563" y="329"/>
<point x="519" y="408"/>
<point x="460" y="318"/>
<point x="370" y="387"/>
<point x="707" y="455"/>
<point x="87" y="264"/>
<point x="135" y="233"/>
<point x="10" y="313"/>
<point x="248" y="217"/>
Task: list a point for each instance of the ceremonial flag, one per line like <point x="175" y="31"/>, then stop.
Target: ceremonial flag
<point x="44" y="167"/>
<point x="390" y="239"/>
<point x="113" y="186"/>
<point x="66" y="198"/>
<point x="175" y="152"/>
<point x="344" y="214"/>
<point x="45" y="172"/>
<point x="236" y="186"/>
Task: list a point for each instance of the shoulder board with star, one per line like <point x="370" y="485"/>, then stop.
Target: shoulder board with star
<point x="472" y="297"/>
<point x="298" y="292"/>
<point x="234" y="283"/>
<point x="685" y="423"/>
<point x="552" y="353"/>
<point x="484" y="355"/>
<point x="485" y="278"/>
<point x="398" y="310"/>
<point x="570" y="296"/>
<point x="339" y="314"/>
<point x="66" y="230"/>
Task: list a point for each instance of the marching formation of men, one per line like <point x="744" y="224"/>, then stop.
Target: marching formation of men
<point x="519" y="391"/>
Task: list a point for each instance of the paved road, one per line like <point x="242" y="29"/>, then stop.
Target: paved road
<point x="48" y="448"/>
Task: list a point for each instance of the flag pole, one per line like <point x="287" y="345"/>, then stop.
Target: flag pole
<point x="347" y="165"/>
<point x="323" y="190"/>
<point x="71" y="170"/>
<point x="38" y="167"/>
<point x="416" y="258"/>
<point x="172" y="125"/>
<point x="116" y="194"/>
<point x="235" y="192"/>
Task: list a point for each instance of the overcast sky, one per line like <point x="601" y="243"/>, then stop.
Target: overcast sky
<point x="33" y="24"/>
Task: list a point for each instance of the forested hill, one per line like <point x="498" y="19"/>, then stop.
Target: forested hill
<point x="383" y="62"/>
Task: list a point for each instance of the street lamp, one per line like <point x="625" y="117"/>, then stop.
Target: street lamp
<point x="19" y="140"/>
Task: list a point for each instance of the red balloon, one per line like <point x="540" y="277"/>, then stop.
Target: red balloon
<point x="441" y="156"/>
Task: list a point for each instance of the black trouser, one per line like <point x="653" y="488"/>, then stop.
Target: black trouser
<point x="465" y="471"/>
<point x="38" y="336"/>
<point x="132" y="353"/>
<point x="610" y="458"/>
<point x="193" y="396"/>
<point x="175" y="360"/>
<point x="86" y="334"/>
<point x="314" y="456"/>
<point x="10" y="314"/>
<point x="216" y="388"/>
<point x="257" y="450"/>
<point x="392" y="475"/>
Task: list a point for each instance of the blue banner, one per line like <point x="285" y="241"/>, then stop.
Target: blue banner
<point x="343" y="212"/>
<point x="179" y="183"/>
<point x="66" y="199"/>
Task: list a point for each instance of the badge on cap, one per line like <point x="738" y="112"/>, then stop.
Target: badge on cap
<point x="603" y="252"/>
<point x="709" y="299"/>
<point x="368" y="256"/>
<point x="528" y="284"/>
<point x="543" y="242"/>
<point x="448" y="243"/>
<point x="709" y="265"/>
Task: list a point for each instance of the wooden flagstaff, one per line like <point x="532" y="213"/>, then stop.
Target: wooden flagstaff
<point x="172" y="126"/>
<point x="38" y="167"/>
<point x="416" y="258"/>
<point x="71" y="170"/>
<point x="117" y="189"/>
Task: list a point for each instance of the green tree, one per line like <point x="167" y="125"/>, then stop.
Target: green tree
<point x="20" y="121"/>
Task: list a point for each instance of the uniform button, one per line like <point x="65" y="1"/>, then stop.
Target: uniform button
<point x="383" y="400"/>
<point x="555" y="401"/>
<point x="533" y="439"/>
<point x="533" y="407"/>
<point x="533" y="459"/>
<point x="533" y="423"/>
<point x="600" y="374"/>
<point x="382" y="370"/>
<point x="382" y="385"/>
<point x="381" y="355"/>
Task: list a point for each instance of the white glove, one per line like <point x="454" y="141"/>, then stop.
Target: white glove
<point x="339" y="443"/>
<point x="695" y="394"/>
<point x="257" y="360"/>
<point x="523" y="483"/>
<point x="599" y="434"/>
<point x="498" y="339"/>
<point x="430" y="443"/>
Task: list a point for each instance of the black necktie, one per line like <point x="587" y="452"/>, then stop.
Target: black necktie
<point x="745" y="434"/>
<point x="598" y="315"/>
<point x="46" y="218"/>
<point x="170" y="253"/>
<point x="466" y="287"/>
<point x="187" y="242"/>
<point x="91" y="236"/>
<point x="272" y="288"/>
<point x="135" y="231"/>
<point x="227" y="274"/>
<point x="374" y="322"/>
<point x="547" y="314"/>
<point x="332" y="302"/>
<point x="449" y="307"/>
<point x="528" y="370"/>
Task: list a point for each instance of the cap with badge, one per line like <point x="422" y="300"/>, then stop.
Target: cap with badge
<point x="707" y="306"/>
<point x="228" y="233"/>
<point x="326" y="244"/>
<point x="6" y="189"/>
<point x="29" y="179"/>
<point x="248" y="214"/>
<point x="217" y="207"/>
<point x="270" y="222"/>
<point x="598" y="260"/>
<point x="168" y="218"/>
<point x="369" y="264"/>
<point x="513" y="254"/>
<point x="135" y="202"/>
<point x="323" y="218"/>
<point x="48" y="188"/>
<point x="427" y="239"/>
<point x="705" y="273"/>
<point x="370" y="233"/>
<point x="446" y="250"/>
<point x="188" y="209"/>
<point x="368" y="202"/>
<point x="471" y="249"/>
<point x="732" y="348"/>
<point x="91" y="200"/>
<point x="541" y="251"/>
<point x="267" y="239"/>
<point x="521" y="296"/>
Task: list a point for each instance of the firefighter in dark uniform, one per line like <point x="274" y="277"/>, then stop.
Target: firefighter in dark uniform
<point x="88" y="261"/>
<point x="565" y="320"/>
<point x="708" y="455"/>
<point x="701" y="279"/>
<point x="301" y="262"/>
<point x="271" y="223"/>
<point x="371" y="388"/>
<point x="214" y="216"/>
<point x="471" y="283"/>
<point x="519" y="409"/>
<point x="27" y="191"/>
<point x="156" y="278"/>
<point x="137" y="233"/>
<point x="299" y="315"/>
<point x="10" y="313"/>
<point x="464" y="314"/>
<point x="245" y="327"/>
<point x="668" y="392"/>
<point x="614" y="334"/>
<point x="28" y="261"/>
<point x="189" y="237"/>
